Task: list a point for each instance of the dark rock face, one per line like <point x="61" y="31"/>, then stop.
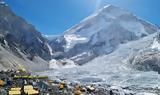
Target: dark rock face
<point x="19" y="34"/>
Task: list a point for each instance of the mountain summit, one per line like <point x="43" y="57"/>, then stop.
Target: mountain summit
<point x="101" y="33"/>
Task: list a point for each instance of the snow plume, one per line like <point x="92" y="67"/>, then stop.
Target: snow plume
<point x="72" y="40"/>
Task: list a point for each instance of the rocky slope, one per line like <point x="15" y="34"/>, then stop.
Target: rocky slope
<point x="22" y="43"/>
<point x="101" y="33"/>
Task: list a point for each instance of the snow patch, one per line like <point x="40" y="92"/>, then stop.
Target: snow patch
<point x="155" y="45"/>
<point x="73" y="39"/>
<point x="39" y="40"/>
<point x="107" y="6"/>
<point x="50" y="49"/>
<point x="144" y="93"/>
<point x="79" y="55"/>
<point x="53" y="64"/>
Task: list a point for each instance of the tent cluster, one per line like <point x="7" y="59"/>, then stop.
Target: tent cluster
<point x="26" y="90"/>
<point x="23" y="83"/>
<point x="19" y="83"/>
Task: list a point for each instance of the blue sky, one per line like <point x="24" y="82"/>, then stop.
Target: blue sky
<point x="53" y="17"/>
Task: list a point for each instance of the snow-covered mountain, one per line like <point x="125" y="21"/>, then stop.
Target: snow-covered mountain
<point x="101" y="33"/>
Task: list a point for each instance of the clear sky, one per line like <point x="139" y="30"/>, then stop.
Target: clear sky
<point x="53" y="17"/>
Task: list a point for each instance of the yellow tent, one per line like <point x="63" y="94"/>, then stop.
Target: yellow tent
<point x="29" y="90"/>
<point x="78" y="92"/>
<point x="21" y="68"/>
<point x="15" y="89"/>
<point x="1" y="83"/>
<point x="28" y="87"/>
<point x="14" y="92"/>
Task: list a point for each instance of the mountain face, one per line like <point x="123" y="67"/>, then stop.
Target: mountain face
<point x="100" y="34"/>
<point x="20" y="38"/>
<point x="18" y="33"/>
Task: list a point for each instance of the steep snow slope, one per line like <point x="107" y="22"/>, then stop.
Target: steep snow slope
<point x="101" y="33"/>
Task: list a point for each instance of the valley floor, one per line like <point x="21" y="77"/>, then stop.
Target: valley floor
<point x="135" y="82"/>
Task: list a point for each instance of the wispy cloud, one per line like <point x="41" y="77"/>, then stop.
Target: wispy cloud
<point x="98" y="4"/>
